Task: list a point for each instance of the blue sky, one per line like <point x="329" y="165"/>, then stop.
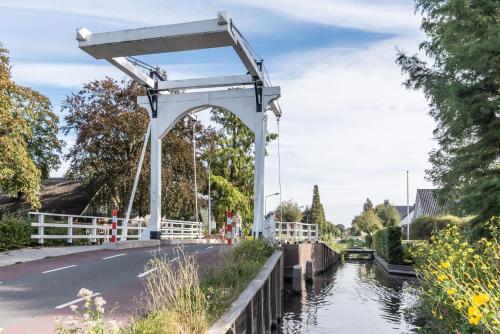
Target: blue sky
<point x="348" y="125"/>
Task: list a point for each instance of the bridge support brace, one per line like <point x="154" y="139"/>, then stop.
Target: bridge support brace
<point x="173" y="107"/>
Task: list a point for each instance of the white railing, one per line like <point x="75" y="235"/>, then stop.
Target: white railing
<point x="83" y="227"/>
<point x="180" y="229"/>
<point x="296" y="232"/>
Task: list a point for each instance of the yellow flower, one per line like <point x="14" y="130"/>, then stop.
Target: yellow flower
<point x="441" y="277"/>
<point x="456" y="241"/>
<point x="474" y="315"/>
<point x="480" y="299"/>
<point x="451" y="291"/>
<point x="470" y="250"/>
<point x="459" y="304"/>
<point x="445" y="265"/>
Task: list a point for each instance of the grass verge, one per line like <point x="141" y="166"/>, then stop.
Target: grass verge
<point x="178" y="300"/>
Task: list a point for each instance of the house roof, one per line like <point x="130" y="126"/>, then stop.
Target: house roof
<point x="402" y="210"/>
<point x="426" y="203"/>
<point x="56" y="194"/>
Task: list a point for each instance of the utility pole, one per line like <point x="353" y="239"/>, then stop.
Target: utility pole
<point x="194" y="118"/>
<point x="209" y="200"/>
<point x="408" y="204"/>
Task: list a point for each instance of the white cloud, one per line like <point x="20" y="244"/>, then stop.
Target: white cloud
<point x="350" y="127"/>
<point x="381" y="16"/>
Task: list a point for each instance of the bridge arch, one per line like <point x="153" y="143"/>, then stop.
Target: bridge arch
<point x="243" y="103"/>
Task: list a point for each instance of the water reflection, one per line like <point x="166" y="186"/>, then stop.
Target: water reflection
<point x="354" y="297"/>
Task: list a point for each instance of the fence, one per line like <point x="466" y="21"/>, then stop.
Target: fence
<point x="82" y="227"/>
<point x="258" y="308"/>
<point x="296" y="232"/>
<point x="180" y="229"/>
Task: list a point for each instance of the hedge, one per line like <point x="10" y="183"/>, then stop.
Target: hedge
<point x="387" y="243"/>
<point x="15" y="232"/>
<point x="423" y="227"/>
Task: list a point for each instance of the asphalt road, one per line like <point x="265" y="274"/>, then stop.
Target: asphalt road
<point x="33" y="293"/>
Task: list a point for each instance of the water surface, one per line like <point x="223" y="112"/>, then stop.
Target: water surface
<point x="353" y="297"/>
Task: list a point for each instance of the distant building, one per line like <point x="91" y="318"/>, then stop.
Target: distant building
<point x="405" y="219"/>
<point x="426" y="204"/>
<point x="402" y="210"/>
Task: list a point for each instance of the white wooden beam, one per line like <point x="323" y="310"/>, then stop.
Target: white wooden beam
<point x="225" y="81"/>
<point x="246" y="57"/>
<point x="133" y="71"/>
<point x="168" y="38"/>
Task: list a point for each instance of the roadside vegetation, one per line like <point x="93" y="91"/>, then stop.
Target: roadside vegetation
<point x="179" y="297"/>
<point x="182" y="301"/>
<point x="460" y="285"/>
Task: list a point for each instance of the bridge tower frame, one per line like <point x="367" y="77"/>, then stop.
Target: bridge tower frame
<point x="168" y="101"/>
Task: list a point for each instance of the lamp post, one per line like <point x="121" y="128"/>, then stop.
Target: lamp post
<point x="195" y="119"/>
<point x="408" y="204"/>
<point x="265" y="201"/>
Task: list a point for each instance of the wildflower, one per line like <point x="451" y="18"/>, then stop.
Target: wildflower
<point x="459" y="304"/>
<point x="99" y="301"/>
<point x="456" y="241"/>
<point x="451" y="291"/>
<point x="470" y="250"/>
<point x="73" y="308"/>
<point x="85" y="293"/>
<point x="445" y="265"/>
<point x="441" y="278"/>
<point x="474" y="315"/>
<point x="480" y="299"/>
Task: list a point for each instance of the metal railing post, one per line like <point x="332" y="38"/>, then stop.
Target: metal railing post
<point x="70" y="230"/>
<point x="288" y="231"/>
<point x="94" y="230"/>
<point x="41" y="219"/>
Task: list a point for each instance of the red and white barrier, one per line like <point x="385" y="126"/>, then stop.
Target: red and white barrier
<point x="113" y="226"/>
<point x="229" y="228"/>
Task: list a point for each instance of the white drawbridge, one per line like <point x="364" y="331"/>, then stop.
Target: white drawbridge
<point x="250" y="102"/>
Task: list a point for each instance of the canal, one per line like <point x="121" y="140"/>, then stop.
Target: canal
<point x="352" y="297"/>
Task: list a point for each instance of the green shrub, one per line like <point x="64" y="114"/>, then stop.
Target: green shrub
<point x="15" y="232"/>
<point x="423" y="227"/>
<point x="387" y="243"/>
<point x="222" y="285"/>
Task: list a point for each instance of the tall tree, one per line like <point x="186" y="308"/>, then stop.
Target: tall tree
<point x="368" y="205"/>
<point x="291" y="212"/>
<point x="110" y="128"/>
<point x="460" y="78"/>
<point x="367" y="222"/>
<point x="317" y="213"/>
<point x="387" y="214"/>
<point x="28" y="137"/>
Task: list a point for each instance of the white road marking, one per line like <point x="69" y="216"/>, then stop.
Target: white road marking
<point x="112" y="256"/>
<point x="177" y="258"/>
<point x="75" y="301"/>
<point x="210" y="247"/>
<point x="146" y="272"/>
<point x="49" y="271"/>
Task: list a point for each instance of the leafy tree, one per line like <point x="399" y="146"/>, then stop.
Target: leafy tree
<point x="388" y="214"/>
<point x="367" y="222"/>
<point x="460" y="77"/>
<point x="231" y="156"/>
<point x="368" y="205"/>
<point x="291" y="212"/>
<point x="110" y="127"/>
<point x="229" y="198"/>
<point x="341" y="229"/>
<point x="28" y="137"/>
